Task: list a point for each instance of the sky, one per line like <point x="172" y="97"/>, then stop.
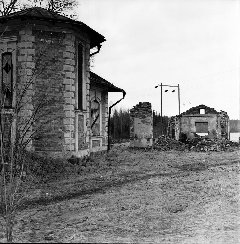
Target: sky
<point x="193" y="43"/>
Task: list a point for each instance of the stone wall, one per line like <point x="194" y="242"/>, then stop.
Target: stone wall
<point x="224" y="124"/>
<point x="185" y="124"/>
<point x="50" y="92"/>
<point x="141" y="125"/>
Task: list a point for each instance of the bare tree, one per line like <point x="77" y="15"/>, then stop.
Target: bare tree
<point x="17" y="130"/>
<point x="7" y="7"/>
<point x="64" y="7"/>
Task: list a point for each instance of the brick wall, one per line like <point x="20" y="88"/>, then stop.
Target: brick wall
<point x="141" y="125"/>
<point x="49" y="90"/>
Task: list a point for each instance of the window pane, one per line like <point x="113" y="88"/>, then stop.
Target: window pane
<point x="202" y="110"/>
<point x="95" y="118"/>
<point x="7" y="86"/>
<point x="201" y="127"/>
<point x="80" y="76"/>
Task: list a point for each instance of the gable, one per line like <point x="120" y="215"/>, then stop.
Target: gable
<point x="198" y="110"/>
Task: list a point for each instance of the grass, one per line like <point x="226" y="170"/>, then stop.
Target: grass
<point x="136" y="196"/>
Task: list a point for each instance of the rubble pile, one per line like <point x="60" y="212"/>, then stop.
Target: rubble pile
<point x="206" y="144"/>
<point x="198" y="144"/>
<point x="165" y="143"/>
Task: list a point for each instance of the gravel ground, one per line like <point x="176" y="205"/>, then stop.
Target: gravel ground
<point x="139" y="196"/>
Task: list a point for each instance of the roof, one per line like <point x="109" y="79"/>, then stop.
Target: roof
<point x="100" y="82"/>
<point x="196" y="110"/>
<point x="37" y="13"/>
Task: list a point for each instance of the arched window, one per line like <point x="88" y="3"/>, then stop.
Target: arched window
<point x="95" y="118"/>
<point x="7" y="79"/>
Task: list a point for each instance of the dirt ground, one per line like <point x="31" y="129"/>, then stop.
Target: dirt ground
<point x="137" y="196"/>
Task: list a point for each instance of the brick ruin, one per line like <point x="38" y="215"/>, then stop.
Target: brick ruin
<point x="200" y="120"/>
<point x="141" y="125"/>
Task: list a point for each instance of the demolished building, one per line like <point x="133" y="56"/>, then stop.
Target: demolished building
<point x="199" y="121"/>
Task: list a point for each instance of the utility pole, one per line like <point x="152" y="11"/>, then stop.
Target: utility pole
<point x="178" y="99"/>
<point x="161" y="131"/>
<point x="178" y="87"/>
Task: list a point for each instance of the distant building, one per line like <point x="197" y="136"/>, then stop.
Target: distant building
<point x="200" y="120"/>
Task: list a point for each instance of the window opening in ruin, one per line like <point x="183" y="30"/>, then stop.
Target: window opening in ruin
<point x="7" y="79"/>
<point x="80" y="77"/>
<point x="201" y="128"/>
<point x="202" y="110"/>
<point x="95" y="118"/>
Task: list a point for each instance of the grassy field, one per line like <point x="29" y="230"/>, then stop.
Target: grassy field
<point x="138" y="196"/>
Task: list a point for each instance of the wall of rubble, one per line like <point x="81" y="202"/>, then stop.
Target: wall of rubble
<point x="141" y="125"/>
<point x="224" y="124"/>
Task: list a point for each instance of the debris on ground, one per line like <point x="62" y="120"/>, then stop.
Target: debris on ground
<point x="198" y="144"/>
<point x="165" y="143"/>
<point x="216" y="144"/>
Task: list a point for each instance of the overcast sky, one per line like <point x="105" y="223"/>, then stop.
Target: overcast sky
<point x="193" y="43"/>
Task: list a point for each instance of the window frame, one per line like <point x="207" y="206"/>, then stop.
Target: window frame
<point x="205" y="125"/>
<point x="11" y="77"/>
<point x="202" y="111"/>
<point x="9" y="44"/>
<point x="80" y="77"/>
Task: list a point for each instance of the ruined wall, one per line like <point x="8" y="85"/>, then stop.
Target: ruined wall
<point x="215" y="123"/>
<point x="141" y="125"/>
<point x="224" y="125"/>
<point x="188" y="124"/>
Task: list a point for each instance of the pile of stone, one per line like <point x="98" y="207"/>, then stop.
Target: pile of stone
<point x="165" y="143"/>
<point x="198" y="144"/>
<point x="206" y="144"/>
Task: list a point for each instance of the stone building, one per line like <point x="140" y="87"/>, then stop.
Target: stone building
<point x="47" y="56"/>
<point x="141" y="125"/>
<point x="200" y="120"/>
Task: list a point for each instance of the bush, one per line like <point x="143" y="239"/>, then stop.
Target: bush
<point x="46" y="167"/>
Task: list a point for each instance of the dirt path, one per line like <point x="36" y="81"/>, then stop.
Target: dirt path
<point x="143" y="197"/>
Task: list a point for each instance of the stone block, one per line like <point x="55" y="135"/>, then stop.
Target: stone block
<point x="68" y="121"/>
<point x="68" y="55"/>
<point x="69" y="61"/>
<point x="27" y="38"/>
<point x="68" y="94"/>
<point x="70" y="49"/>
<point x="68" y="107"/>
<point x="67" y="67"/>
<point x="69" y="114"/>
<point x="68" y="81"/>
<point x="70" y="75"/>
<point x="25" y="45"/>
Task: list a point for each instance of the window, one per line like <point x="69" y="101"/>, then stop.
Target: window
<point x="202" y="110"/>
<point x="95" y="118"/>
<point x="7" y="79"/>
<point x="80" y="77"/>
<point x="201" y="127"/>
